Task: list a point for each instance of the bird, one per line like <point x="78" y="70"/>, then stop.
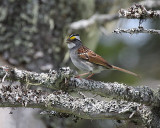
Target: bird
<point x="87" y="60"/>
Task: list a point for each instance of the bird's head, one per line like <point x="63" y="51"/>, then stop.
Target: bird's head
<point x="73" y="40"/>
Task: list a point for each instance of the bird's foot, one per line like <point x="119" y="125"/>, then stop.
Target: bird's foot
<point x="88" y="78"/>
<point x="79" y="76"/>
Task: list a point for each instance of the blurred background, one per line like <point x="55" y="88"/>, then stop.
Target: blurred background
<point x="32" y="37"/>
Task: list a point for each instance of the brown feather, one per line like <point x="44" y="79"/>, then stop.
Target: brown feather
<point x="87" y="54"/>
<point x="126" y="71"/>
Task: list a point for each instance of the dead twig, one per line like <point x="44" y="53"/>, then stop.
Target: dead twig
<point x="136" y="31"/>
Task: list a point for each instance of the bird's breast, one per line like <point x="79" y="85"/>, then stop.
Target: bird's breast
<point x="84" y="65"/>
<point x="80" y="63"/>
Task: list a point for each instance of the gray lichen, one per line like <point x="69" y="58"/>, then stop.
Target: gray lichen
<point x="63" y="79"/>
<point x="138" y="12"/>
<point x="131" y="102"/>
<point x="136" y="31"/>
<point x="90" y="108"/>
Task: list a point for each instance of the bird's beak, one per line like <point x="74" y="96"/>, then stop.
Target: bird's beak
<point x="68" y="40"/>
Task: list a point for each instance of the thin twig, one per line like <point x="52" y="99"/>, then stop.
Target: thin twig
<point x="96" y="18"/>
<point x="136" y="31"/>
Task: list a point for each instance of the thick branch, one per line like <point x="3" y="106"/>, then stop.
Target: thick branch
<point x="138" y="12"/>
<point x="53" y="79"/>
<point x="136" y="31"/>
<point x="96" y="18"/>
<point x="119" y="91"/>
<point x="61" y="80"/>
<point x="90" y="108"/>
<point x="17" y="95"/>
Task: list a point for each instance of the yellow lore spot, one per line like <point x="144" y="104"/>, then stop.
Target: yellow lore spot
<point x="72" y="38"/>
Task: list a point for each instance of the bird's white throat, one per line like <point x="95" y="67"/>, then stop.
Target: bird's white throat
<point x="71" y="45"/>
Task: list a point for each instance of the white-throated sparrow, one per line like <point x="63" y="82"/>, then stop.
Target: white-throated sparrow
<point x="86" y="60"/>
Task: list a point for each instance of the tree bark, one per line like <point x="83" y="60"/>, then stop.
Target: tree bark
<point x="131" y="102"/>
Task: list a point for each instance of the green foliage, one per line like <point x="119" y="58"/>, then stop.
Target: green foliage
<point x="110" y="52"/>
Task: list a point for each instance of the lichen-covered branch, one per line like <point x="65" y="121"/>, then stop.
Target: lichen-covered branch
<point x="96" y="18"/>
<point x="98" y="110"/>
<point x="139" y="94"/>
<point x="17" y="94"/>
<point x="13" y="94"/>
<point x="89" y="108"/>
<point x="150" y="116"/>
<point x="138" y="12"/>
<point x="62" y="79"/>
<point x="136" y="31"/>
<point x="53" y="79"/>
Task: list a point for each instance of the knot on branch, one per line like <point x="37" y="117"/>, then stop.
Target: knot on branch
<point x="61" y="76"/>
<point x="65" y="72"/>
<point x="144" y="94"/>
<point x="138" y="12"/>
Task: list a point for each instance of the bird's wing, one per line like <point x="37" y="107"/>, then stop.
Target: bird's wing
<point x="88" y="55"/>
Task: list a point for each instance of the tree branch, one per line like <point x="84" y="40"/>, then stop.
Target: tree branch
<point x="53" y="79"/>
<point x="15" y="95"/>
<point x="62" y="79"/>
<point x="89" y="108"/>
<point x="136" y="30"/>
<point x="138" y="12"/>
<point x="18" y="95"/>
<point x="140" y="94"/>
<point x="96" y="18"/>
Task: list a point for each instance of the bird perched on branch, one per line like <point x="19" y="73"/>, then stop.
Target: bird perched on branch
<point x="85" y="59"/>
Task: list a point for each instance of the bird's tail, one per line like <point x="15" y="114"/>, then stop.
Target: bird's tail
<point x="126" y="71"/>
